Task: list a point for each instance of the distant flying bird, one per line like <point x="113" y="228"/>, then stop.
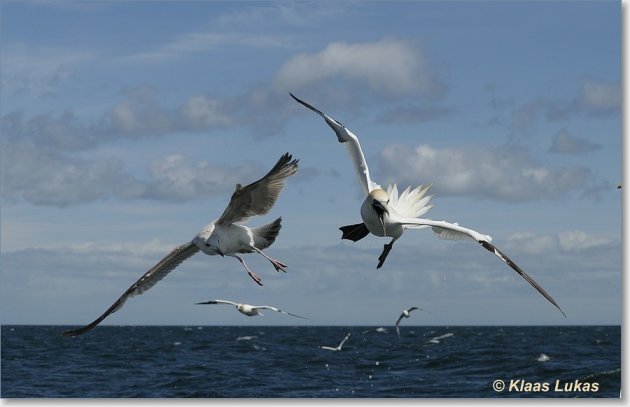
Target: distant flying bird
<point x="338" y="348"/>
<point x="223" y="236"/>
<point x="389" y="214"/>
<point x="249" y="310"/>
<point x="405" y="314"/>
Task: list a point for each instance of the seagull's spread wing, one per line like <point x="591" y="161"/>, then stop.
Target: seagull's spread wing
<point x="328" y="348"/>
<point x="144" y="283"/>
<point x="258" y="197"/>
<point x="218" y="302"/>
<point x="343" y="341"/>
<point x="452" y="231"/>
<point x="351" y="141"/>
<point x="277" y="310"/>
<point x="412" y="308"/>
<point x="398" y="323"/>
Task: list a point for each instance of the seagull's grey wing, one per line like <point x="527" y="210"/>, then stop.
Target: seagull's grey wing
<point x="398" y="323"/>
<point x="351" y="141"/>
<point x="452" y="231"/>
<point x="218" y="302"/>
<point x="144" y="283"/>
<point x="277" y="310"/>
<point x="412" y="308"/>
<point x="258" y="197"/>
<point x="343" y="341"/>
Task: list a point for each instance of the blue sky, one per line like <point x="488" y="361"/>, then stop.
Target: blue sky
<point x="126" y="125"/>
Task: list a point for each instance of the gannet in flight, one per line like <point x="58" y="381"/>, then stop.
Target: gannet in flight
<point x="223" y="236"/>
<point x="405" y="314"/>
<point x="388" y="214"/>
<point x="249" y="310"/>
<point x="338" y="348"/>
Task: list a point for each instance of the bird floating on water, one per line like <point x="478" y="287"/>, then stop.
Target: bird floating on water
<point x="405" y="314"/>
<point x="249" y="310"/>
<point x="223" y="236"/>
<point x="388" y="214"/>
<point x="338" y="347"/>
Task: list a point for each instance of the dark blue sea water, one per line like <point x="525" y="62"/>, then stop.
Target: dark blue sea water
<point x="255" y="362"/>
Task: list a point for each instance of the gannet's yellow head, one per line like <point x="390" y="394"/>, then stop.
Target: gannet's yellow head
<point x="380" y="199"/>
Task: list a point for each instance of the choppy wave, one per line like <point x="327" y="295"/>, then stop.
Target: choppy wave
<point x="259" y="362"/>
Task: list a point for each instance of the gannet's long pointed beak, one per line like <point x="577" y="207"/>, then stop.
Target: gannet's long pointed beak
<point x="339" y="129"/>
<point x="380" y="210"/>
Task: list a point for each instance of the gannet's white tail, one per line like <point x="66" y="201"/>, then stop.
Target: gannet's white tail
<point x="265" y="235"/>
<point x="411" y="203"/>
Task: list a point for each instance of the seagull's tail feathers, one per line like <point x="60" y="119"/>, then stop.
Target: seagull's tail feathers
<point x="265" y="235"/>
<point x="411" y="203"/>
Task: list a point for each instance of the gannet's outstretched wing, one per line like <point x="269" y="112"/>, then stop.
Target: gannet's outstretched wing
<point x="218" y="302"/>
<point x="351" y="141"/>
<point x="277" y="310"/>
<point x="258" y="197"/>
<point x="144" y="283"/>
<point x="452" y="231"/>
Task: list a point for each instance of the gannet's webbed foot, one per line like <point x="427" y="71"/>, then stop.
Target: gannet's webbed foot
<point x="354" y="232"/>
<point x="278" y="265"/>
<point x="386" y="249"/>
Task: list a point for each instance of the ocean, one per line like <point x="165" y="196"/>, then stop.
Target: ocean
<point x="277" y="362"/>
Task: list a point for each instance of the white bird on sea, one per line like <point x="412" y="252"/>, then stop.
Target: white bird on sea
<point x="249" y="310"/>
<point x="388" y="214"/>
<point x="338" y="348"/>
<point x="405" y="314"/>
<point x="223" y="236"/>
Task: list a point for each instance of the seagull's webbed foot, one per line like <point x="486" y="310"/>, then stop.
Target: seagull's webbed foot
<point x="255" y="277"/>
<point x="278" y="265"/>
<point x="386" y="249"/>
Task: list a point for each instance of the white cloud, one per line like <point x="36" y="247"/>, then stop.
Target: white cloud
<point x="203" y="42"/>
<point x="43" y="176"/>
<point x="173" y="178"/>
<point x="598" y="97"/>
<point x="415" y="114"/>
<point x="387" y="67"/>
<point x="138" y="115"/>
<point x="568" y="241"/>
<point x="488" y="173"/>
<point x="565" y="143"/>
<point x="576" y="240"/>
<point x="36" y="71"/>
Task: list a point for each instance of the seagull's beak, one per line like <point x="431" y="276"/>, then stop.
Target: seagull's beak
<point x="380" y="210"/>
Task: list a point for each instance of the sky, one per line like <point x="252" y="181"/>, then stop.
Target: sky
<point x="126" y="125"/>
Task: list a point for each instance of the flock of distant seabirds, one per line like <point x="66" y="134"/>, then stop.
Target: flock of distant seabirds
<point x="385" y="213"/>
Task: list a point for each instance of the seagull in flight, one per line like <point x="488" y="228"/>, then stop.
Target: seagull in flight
<point x="405" y="314"/>
<point x="249" y="310"/>
<point x="388" y="214"/>
<point x="224" y="236"/>
<point x="338" y="348"/>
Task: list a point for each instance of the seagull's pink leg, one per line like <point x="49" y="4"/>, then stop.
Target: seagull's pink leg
<point x="278" y="265"/>
<point x="253" y="275"/>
